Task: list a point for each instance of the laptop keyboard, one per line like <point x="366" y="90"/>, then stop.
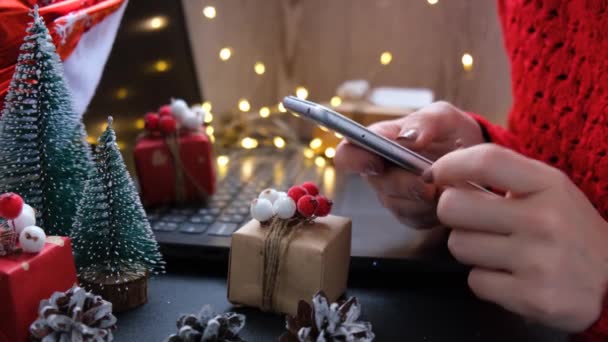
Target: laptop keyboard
<point x="246" y="176"/>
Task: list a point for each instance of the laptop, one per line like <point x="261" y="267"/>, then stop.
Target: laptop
<point x="200" y="233"/>
<point x="379" y="241"/>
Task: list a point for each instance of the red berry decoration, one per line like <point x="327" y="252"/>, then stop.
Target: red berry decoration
<point x="323" y="206"/>
<point x="167" y="124"/>
<point x="307" y="205"/>
<point x="11" y="205"/>
<point x="296" y="192"/>
<point x="311" y="188"/>
<point x="151" y="121"/>
<point x="164" y="110"/>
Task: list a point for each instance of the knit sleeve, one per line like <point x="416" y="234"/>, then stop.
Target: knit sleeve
<point x="496" y="134"/>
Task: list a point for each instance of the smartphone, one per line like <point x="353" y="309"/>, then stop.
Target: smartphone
<point x="363" y="137"/>
<point x="358" y="134"/>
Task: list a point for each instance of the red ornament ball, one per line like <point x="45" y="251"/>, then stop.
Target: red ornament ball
<point x="311" y="188"/>
<point x="164" y="110"/>
<point x="323" y="206"/>
<point x="307" y="205"/>
<point x="167" y="124"/>
<point x="296" y="192"/>
<point x="151" y="121"/>
<point x="11" y="205"/>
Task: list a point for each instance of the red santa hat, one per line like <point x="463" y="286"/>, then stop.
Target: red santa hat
<point x="82" y="30"/>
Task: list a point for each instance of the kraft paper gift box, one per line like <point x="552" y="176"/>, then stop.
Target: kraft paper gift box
<point x="26" y="279"/>
<point x="317" y="259"/>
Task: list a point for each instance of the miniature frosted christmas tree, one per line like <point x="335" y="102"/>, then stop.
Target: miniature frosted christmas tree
<point x="114" y="245"/>
<point x="42" y="156"/>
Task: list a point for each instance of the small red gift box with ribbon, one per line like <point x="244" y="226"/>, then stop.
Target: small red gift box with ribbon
<point x="174" y="157"/>
<point x="28" y="278"/>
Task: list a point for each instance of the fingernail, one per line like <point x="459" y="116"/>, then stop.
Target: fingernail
<point x="410" y="134"/>
<point x="458" y="143"/>
<point x="427" y="176"/>
<point x="371" y="170"/>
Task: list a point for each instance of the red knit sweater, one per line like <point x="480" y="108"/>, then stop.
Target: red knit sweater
<point x="558" y="51"/>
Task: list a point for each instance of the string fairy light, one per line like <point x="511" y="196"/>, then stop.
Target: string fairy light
<point x="279" y="142"/>
<point x="317" y="150"/>
<point x="467" y="62"/>
<point x="320" y="161"/>
<point x="264" y="112"/>
<point x="209" y="12"/>
<point x="386" y="58"/>
<point x="161" y="65"/>
<point x="122" y="93"/>
<point x="249" y="143"/>
<point x="225" y="53"/>
<point x="223" y="160"/>
<point x="140" y="124"/>
<point x="282" y="108"/>
<point x="259" y="68"/>
<point x="302" y="92"/>
<point x="335" y="101"/>
<point x="432" y="2"/>
<point x="244" y="105"/>
<point x="208" y="118"/>
<point x="315" y="143"/>
<point x="156" y="23"/>
<point x="308" y="153"/>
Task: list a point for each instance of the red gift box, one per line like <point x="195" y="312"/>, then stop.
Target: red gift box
<point x="26" y="279"/>
<point x="174" y="169"/>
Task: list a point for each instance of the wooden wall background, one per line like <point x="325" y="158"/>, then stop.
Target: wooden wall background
<point x="321" y="43"/>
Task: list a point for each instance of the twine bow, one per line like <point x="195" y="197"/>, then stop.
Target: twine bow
<point x="172" y="142"/>
<point x="278" y="239"/>
<point x="8" y="240"/>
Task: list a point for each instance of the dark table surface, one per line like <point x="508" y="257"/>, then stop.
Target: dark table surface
<point x="419" y="307"/>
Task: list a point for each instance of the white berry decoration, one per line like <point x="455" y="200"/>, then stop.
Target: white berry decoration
<point x="32" y="239"/>
<point x="179" y="108"/>
<point x="199" y="111"/>
<point x="25" y="219"/>
<point x="261" y="209"/>
<point x="192" y="121"/>
<point x="269" y="194"/>
<point x="284" y="207"/>
<point x="281" y="194"/>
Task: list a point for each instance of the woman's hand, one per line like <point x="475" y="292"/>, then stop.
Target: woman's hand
<point x="433" y="131"/>
<point x="540" y="251"/>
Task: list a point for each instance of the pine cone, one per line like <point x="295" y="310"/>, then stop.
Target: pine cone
<point x="208" y="327"/>
<point x="75" y="315"/>
<point x="327" y="322"/>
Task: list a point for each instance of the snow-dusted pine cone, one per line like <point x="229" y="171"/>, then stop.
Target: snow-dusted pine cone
<point x="75" y="315"/>
<point x="209" y="326"/>
<point x="327" y="322"/>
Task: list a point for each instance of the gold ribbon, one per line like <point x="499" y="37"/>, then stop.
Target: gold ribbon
<point x="278" y="239"/>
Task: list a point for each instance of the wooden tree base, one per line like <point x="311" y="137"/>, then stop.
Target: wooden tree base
<point x="124" y="295"/>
